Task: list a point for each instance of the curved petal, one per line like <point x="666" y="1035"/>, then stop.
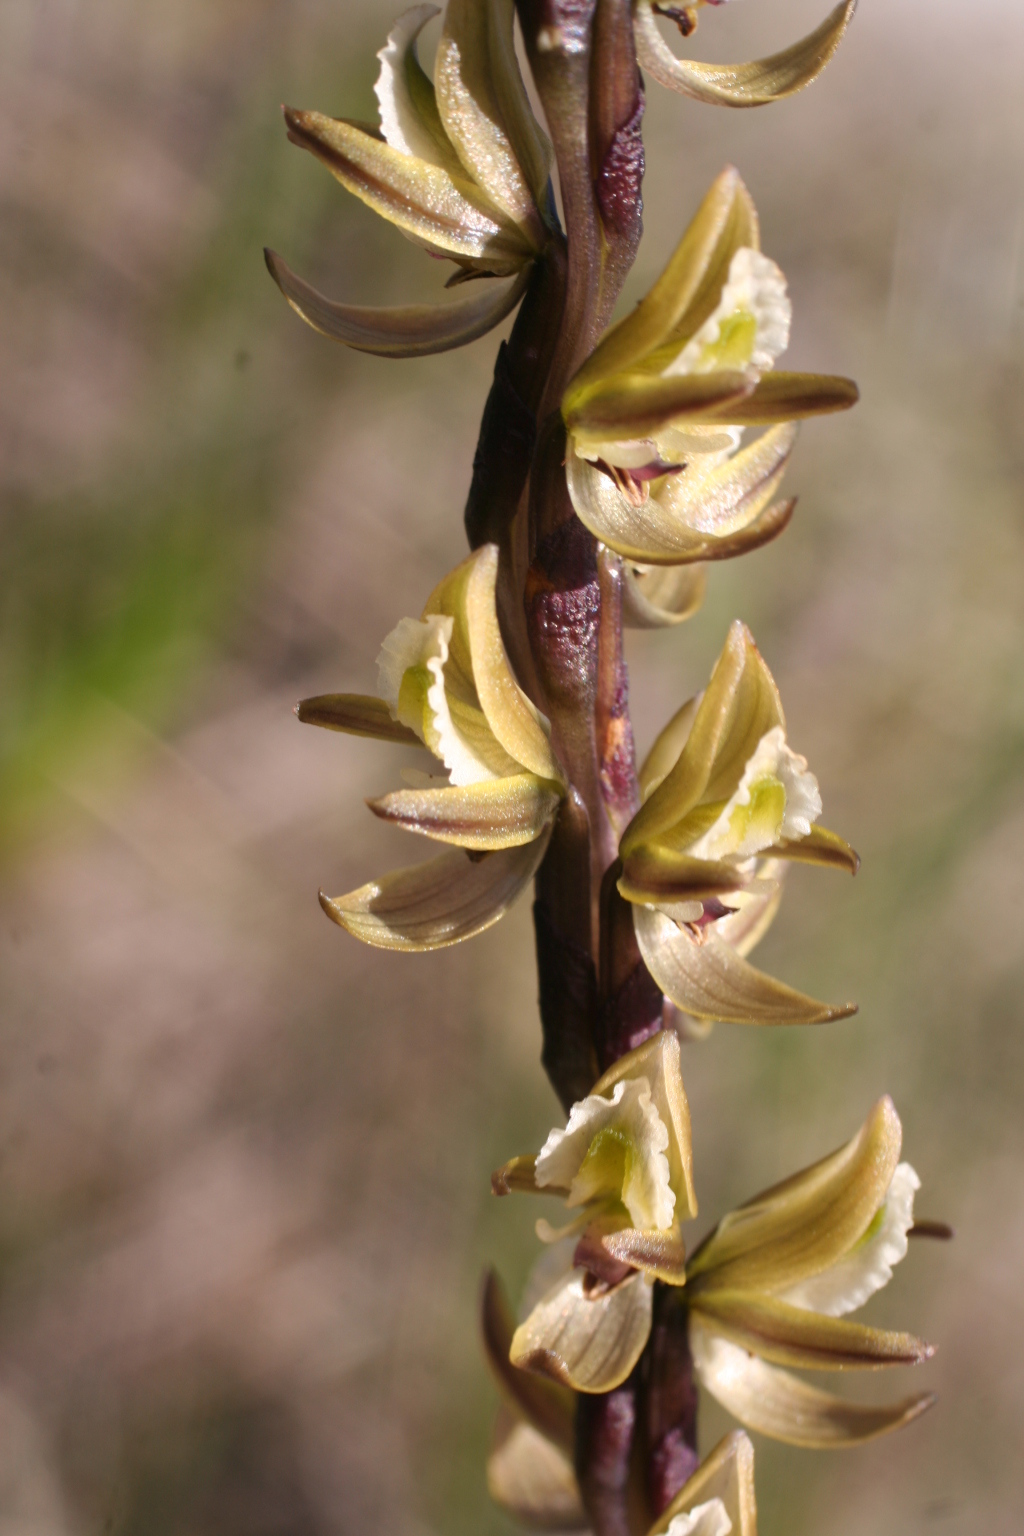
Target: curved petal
<point x="498" y="813"/>
<point x="735" y="492"/>
<point x="661" y="1255"/>
<point x="740" y="85"/>
<point x="668" y="746"/>
<point x="655" y="876"/>
<point x="727" y="1474"/>
<point x="423" y="200"/>
<point x="659" y="1061"/>
<point x="638" y="404"/>
<point x="819" y="847"/>
<point x="802" y="1226"/>
<point x="406" y="330"/>
<point x="774" y="1403"/>
<point x="847" y="1284"/>
<point x="781" y="396"/>
<point x="546" y="1405"/>
<point x="657" y="596"/>
<point x="708" y="979"/>
<point x="360" y="714"/>
<point x="787" y="1335"/>
<point x="532" y="1479"/>
<point x="409" y="117"/>
<point x="438" y="903"/>
<point x="649" y="533"/>
<point x="516" y="722"/>
<point x="756" y="907"/>
<point x="688" y="289"/>
<point x="740" y="705"/>
<point x="589" y="1340"/>
<point x="485" y="110"/>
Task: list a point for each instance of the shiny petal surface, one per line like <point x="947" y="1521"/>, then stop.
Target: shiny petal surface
<point x="787" y="1335"/>
<point x="781" y="396"/>
<point x="727" y="1474"/>
<point x="740" y="85"/>
<point x="868" y="1266"/>
<point x="708" y="979"/>
<point x="532" y="1479"/>
<point x="650" y="533"/>
<point x="668" y="745"/>
<point x="661" y="1255"/>
<point x="687" y="291"/>
<point x="485" y="109"/>
<point x="407" y="330"/>
<point x="438" y="903"/>
<point x="587" y="1340"/>
<point x="658" y="596"/>
<point x="549" y="1407"/>
<point x="775" y="1403"/>
<point x="802" y="1226"/>
<point x="820" y="846"/>
<point x="359" y="714"/>
<point x="639" y="404"/>
<point x="740" y="706"/>
<point x="659" y="1061"/>
<point x="656" y="876"/>
<point x="424" y="200"/>
<point x="499" y="813"/>
<point x="478" y="669"/>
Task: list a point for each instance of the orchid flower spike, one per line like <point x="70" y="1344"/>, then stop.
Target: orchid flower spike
<point x="656" y="414"/>
<point x="772" y="1284"/>
<point x="725" y="800"/>
<point x="624" y="1167"/>
<point x="733" y="85"/>
<point x="459" y="164"/>
<point x="446" y="684"/>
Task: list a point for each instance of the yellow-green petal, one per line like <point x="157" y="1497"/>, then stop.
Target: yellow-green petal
<point x="497" y="813"/>
<point x="687" y="291"/>
<point x="658" y="596"/>
<point x="777" y="1404"/>
<point x="442" y="902"/>
<point x="424" y="200"/>
<point x="359" y="714"/>
<point x="532" y="1478"/>
<point x="800" y="1227"/>
<point x="406" y="330"/>
<point x="707" y="978"/>
<point x="793" y="1336"/>
<point x="586" y="1338"/>
<point x="740" y="85"/>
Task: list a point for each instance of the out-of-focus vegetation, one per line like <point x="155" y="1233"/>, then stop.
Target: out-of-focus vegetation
<point x="243" y="1162"/>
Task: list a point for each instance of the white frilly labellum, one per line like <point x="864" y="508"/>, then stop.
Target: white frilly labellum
<point x="631" y="1114"/>
<point x="771" y="759"/>
<point x="708" y="1519"/>
<point x="848" y="1283"/>
<point x="399" y="121"/>
<point x="424" y="643"/>
<point x="755" y="287"/>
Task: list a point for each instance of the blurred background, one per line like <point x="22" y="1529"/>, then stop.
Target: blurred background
<point x="243" y="1161"/>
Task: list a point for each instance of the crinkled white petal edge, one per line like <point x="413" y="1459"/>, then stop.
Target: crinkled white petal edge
<point x="867" y="1267"/>
<point x="648" y="1194"/>
<point x="710" y="1519"/>
<point x="771" y="758"/>
<point x="424" y="643"/>
<point x="756" y="286"/>
<point x="399" y="121"/>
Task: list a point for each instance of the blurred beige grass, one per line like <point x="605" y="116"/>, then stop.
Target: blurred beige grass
<point x="243" y="1187"/>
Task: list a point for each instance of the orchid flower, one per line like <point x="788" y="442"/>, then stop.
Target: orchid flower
<point x="656" y="414"/>
<point x="773" y="1283"/>
<point x="624" y="1166"/>
<point x="458" y="164"/>
<point x="726" y="799"/>
<point x="446" y="684"/>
